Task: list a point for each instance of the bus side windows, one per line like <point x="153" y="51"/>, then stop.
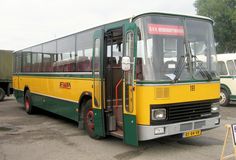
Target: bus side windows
<point x="66" y="60"/>
<point x="231" y="67"/>
<point x="36" y="62"/>
<point x="84" y="50"/>
<point x="47" y="63"/>
<point x="37" y="58"/>
<point x="18" y="62"/>
<point x="26" y="61"/>
<point x="221" y="67"/>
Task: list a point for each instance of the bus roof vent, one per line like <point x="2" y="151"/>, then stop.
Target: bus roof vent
<point x="162" y="93"/>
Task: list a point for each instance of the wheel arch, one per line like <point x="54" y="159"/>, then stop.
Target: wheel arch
<point x="26" y="88"/>
<point x="84" y="97"/>
<point x="226" y="88"/>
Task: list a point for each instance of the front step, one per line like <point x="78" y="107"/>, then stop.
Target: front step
<point x="118" y="134"/>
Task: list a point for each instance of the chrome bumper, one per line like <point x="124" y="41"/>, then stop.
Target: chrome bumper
<point x="147" y="132"/>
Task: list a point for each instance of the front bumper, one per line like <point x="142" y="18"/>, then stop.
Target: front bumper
<point x="147" y="132"/>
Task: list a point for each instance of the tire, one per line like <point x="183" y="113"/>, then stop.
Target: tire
<point x="28" y="103"/>
<point x="2" y="94"/>
<point x="89" y="120"/>
<point x="224" y="98"/>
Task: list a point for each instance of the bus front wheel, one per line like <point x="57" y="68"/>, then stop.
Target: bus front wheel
<point x="28" y="104"/>
<point x="2" y="94"/>
<point x="89" y="120"/>
<point x="224" y="98"/>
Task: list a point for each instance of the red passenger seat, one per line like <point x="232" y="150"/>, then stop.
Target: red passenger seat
<point x="84" y="64"/>
<point x="27" y="68"/>
<point x="47" y="67"/>
<point x="69" y="66"/>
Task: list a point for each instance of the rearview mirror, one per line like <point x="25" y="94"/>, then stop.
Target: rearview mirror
<point x="125" y="63"/>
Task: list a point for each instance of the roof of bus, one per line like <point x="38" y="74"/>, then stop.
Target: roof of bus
<point x="132" y="18"/>
<point x="226" y="56"/>
<point x="175" y="14"/>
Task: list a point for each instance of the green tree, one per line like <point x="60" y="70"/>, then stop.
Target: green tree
<point x="223" y="12"/>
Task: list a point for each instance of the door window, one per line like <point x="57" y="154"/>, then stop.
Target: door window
<point x="96" y="69"/>
<point x="129" y="51"/>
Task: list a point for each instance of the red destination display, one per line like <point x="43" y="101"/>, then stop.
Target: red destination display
<point x="160" y="29"/>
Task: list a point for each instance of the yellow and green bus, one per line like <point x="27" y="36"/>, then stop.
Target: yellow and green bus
<point x="142" y="78"/>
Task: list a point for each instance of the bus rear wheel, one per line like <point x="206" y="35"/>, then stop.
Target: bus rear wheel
<point x="89" y="120"/>
<point x="2" y="94"/>
<point x="27" y="101"/>
<point x="224" y="98"/>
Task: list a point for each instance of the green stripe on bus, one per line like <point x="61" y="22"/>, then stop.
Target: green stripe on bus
<point x="61" y="107"/>
<point x="170" y="82"/>
<point x="56" y="75"/>
<point x="233" y="97"/>
<point x="19" y="96"/>
<point x="227" y="76"/>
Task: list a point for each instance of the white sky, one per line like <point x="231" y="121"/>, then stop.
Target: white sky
<point x="27" y="22"/>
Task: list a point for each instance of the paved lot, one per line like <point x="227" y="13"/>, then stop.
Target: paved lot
<point x="48" y="137"/>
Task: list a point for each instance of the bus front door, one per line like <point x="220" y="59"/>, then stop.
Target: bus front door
<point x="129" y="90"/>
<point x="97" y="96"/>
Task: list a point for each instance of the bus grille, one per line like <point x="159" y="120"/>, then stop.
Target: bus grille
<point x="183" y="112"/>
<point x="187" y="112"/>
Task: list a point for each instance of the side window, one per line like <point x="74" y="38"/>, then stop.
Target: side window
<point x="222" y="68"/>
<point x="36" y="62"/>
<point x="231" y="67"/>
<point x="17" y="62"/>
<point x="47" y="62"/>
<point x="84" y="50"/>
<point x="26" y="61"/>
<point x="66" y="52"/>
<point x="117" y="49"/>
<point x="49" y="52"/>
<point x="37" y="58"/>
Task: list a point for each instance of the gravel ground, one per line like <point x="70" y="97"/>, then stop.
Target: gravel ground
<point x="49" y="137"/>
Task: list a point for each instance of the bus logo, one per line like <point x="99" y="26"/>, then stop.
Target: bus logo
<point x="65" y="85"/>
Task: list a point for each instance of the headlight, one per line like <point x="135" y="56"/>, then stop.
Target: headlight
<point x="215" y="108"/>
<point x="159" y="114"/>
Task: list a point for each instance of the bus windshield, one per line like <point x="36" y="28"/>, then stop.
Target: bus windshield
<point x="168" y="45"/>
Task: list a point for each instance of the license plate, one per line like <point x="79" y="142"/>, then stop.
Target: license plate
<point x="192" y="133"/>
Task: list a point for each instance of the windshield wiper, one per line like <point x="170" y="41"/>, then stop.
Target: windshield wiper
<point x="202" y="69"/>
<point x="179" y="68"/>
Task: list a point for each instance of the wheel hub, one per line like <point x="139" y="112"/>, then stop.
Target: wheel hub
<point x="222" y="98"/>
<point x="27" y="104"/>
<point x="90" y="119"/>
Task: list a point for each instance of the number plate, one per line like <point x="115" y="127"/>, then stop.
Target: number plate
<point x="192" y="133"/>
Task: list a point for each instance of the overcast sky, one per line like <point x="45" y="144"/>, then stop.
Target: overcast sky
<point x="27" y="22"/>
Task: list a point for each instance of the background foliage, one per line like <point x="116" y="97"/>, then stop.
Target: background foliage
<point x="223" y="12"/>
